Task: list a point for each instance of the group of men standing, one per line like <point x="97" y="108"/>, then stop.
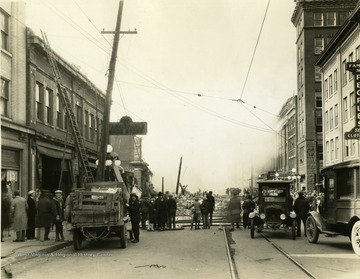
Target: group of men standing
<point x="39" y="211"/>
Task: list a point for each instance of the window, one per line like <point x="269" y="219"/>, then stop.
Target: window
<point x="331" y="120"/>
<point x="79" y="117"/>
<point x="302" y="155"/>
<point x="343" y="16"/>
<point x="332" y="150"/>
<point x="92" y="127"/>
<point x="4" y="31"/>
<point x="345" y="110"/>
<point x="48" y="106"/>
<point x="326" y="121"/>
<point x="327" y="151"/>
<point x="326" y="89"/>
<point x="352" y="105"/>
<point x="357" y="53"/>
<point x="330" y="19"/>
<point x="335" y="82"/>
<point x="318" y="45"/>
<point x="336" y="113"/>
<point x="330" y="85"/>
<point x="86" y="124"/>
<point x="39" y="97"/>
<point x="318" y="121"/>
<point x="318" y="19"/>
<point x="318" y="102"/>
<point x="317" y="73"/>
<point x="344" y="72"/>
<point x="4" y="98"/>
<point x="351" y="76"/>
<point x="336" y="148"/>
<point x="352" y="147"/>
<point x="59" y="114"/>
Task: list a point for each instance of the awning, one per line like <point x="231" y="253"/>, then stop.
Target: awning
<point x="54" y="153"/>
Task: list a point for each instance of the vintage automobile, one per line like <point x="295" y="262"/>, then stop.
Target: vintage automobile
<point x="339" y="211"/>
<point x="274" y="207"/>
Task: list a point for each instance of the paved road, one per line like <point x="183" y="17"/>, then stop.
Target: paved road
<point x="257" y="258"/>
<point x="172" y="254"/>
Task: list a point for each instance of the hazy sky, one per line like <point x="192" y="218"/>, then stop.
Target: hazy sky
<point x="183" y="49"/>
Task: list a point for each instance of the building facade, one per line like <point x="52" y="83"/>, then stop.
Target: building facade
<point x="341" y="106"/>
<point x="316" y="23"/>
<point x="37" y="146"/>
<point x="15" y="134"/>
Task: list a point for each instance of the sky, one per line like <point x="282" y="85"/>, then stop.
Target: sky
<point x="184" y="73"/>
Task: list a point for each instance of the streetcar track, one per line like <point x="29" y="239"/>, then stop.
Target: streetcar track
<point x="232" y="266"/>
<point x="287" y="255"/>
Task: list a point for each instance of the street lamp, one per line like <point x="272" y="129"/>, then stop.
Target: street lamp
<point x="111" y="159"/>
<point x="296" y="178"/>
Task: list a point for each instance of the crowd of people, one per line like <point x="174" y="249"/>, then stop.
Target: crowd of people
<point x="33" y="218"/>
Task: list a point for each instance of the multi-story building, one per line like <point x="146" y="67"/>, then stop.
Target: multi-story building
<point x="316" y="23"/>
<point x="287" y="163"/>
<point x="54" y="162"/>
<point x="341" y="106"/>
<point x="15" y="152"/>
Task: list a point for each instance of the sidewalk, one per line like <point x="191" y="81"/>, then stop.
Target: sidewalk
<point x="16" y="251"/>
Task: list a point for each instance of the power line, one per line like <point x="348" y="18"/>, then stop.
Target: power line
<point x="253" y="55"/>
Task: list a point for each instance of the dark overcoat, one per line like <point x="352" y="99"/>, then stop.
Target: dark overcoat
<point x="5" y="210"/>
<point x="46" y="212"/>
<point x="301" y="207"/>
<point x="31" y="212"/>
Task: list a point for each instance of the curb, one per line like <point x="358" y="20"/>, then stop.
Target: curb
<point x="34" y="254"/>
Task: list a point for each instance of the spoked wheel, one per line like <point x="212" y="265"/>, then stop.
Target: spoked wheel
<point x="252" y="228"/>
<point x="123" y="237"/>
<point x="77" y="239"/>
<point x="293" y="229"/>
<point x="355" y="238"/>
<point x="312" y="231"/>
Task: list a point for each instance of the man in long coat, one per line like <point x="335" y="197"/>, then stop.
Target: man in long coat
<point x="46" y="215"/>
<point x="301" y="208"/>
<point x="31" y="213"/>
<point x="5" y="212"/>
<point x="19" y="209"/>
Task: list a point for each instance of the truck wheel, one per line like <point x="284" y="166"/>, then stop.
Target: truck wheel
<point x="312" y="231"/>
<point x="123" y="237"/>
<point x="293" y="229"/>
<point x="355" y="238"/>
<point x="252" y="228"/>
<point x="77" y="239"/>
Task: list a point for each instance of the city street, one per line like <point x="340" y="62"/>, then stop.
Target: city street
<point x="197" y="254"/>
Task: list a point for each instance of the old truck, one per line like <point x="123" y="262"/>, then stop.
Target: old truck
<point x="99" y="211"/>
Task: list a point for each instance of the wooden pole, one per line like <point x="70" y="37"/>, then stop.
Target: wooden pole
<point x="106" y="119"/>
<point x="178" y="178"/>
<point x="162" y="185"/>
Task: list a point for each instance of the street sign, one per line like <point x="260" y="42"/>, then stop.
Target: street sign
<point x="353" y="66"/>
<point x="353" y="134"/>
<point x="132" y="128"/>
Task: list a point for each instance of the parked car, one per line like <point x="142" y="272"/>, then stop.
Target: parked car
<point x="274" y="207"/>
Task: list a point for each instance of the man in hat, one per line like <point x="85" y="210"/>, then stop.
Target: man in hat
<point x="301" y="208"/>
<point x="19" y="209"/>
<point x="46" y="214"/>
<point x="59" y="203"/>
<point x="133" y="208"/>
<point x="31" y="213"/>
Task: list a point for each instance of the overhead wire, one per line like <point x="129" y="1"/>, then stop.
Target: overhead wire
<point x="254" y="52"/>
<point x="170" y="91"/>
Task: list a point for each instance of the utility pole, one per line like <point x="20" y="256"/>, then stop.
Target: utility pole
<point x="106" y="119"/>
<point x="178" y="178"/>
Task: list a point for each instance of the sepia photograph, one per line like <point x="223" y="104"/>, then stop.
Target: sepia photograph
<point x="215" y="139"/>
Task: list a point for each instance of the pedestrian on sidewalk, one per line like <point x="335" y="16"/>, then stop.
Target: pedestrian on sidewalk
<point x="171" y="211"/>
<point x="46" y="214"/>
<point x="59" y="204"/>
<point x="161" y="210"/>
<point x="248" y="206"/>
<point x="196" y="214"/>
<point x="212" y="206"/>
<point x="205" y="210"/>
<point x="31" y="213"/>
<point x="144" y="209"/>
<point x="133" y="208"/>
<point x="5" y="211"/>
<point x="19" y="208"/>
<point x="301" y="208"/>
<point x="234" y="210"/>
<point x="152" y="215"/>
